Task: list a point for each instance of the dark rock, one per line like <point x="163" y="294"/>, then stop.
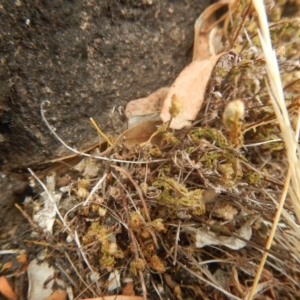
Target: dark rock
<point x="13" y="189"/>
<point x="85" y="57"/>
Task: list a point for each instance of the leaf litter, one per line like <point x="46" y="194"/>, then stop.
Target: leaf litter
<point x="182" y="208"/>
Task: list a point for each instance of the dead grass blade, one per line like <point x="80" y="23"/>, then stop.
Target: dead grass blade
<point x="289" y="136"/>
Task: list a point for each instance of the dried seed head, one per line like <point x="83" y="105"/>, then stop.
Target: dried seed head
<point x="112" y="248"/>
<point x="176" y="106"/>
<point x="137" y="265"/>
<point x="82" y="193"/>
<point x="233" y="116"/>
<point x="145" y="234"/>
<point x="102" y="211"/>
<point x="233" y="113"/>
<point x="135" y="221"/>
<point x="83" y="183"/>
<point x="95" y="207"/>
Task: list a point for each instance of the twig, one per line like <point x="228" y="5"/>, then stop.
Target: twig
<point x="176" y="243"/>
<point x="78" y="274"/>
<point x="246" y="12"/>
<point x="137" y="189"/>
<point x="10" y="251"/>
<point x="100" y="131"/>
<point x="272" y="232"/>
<point x="128" y="195"/>
<point x="201" y="278"/>
<point x="141" y="197"/>
<point x="82" y="253"/>
<point x="62" y="270"/>
<point x="95" y="188"/>
<point x="263" y="143"/>
<point x="24" y="213"/>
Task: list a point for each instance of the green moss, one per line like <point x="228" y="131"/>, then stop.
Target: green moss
<point x="253" y="178"/>
<point x="155" y="151"/>
<point x="176" y="194"/>
<point x="169" y="138"/>
<point x="97" y="232"/>
<point x="211" y="158"/>
<point x="210" y="134"/>
<point x="157" y="224"/>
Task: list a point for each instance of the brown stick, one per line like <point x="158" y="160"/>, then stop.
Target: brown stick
<point x="32" y="223"/>
<point x="137" y="189"/>
<point x="141" y="197"/>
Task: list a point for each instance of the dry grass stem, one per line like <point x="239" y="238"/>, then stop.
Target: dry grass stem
<point x="86" y="154"/>
<point x="289" y="137"/>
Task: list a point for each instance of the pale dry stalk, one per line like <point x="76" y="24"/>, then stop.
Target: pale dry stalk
<point x="289" y="136"/>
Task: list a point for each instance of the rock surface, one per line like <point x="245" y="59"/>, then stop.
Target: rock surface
<point x="85" y="57"/>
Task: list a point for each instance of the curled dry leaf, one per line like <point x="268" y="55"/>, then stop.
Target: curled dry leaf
<point x="138" y="134"/>
<point x="207" y="238"/>
<point x="204" y="45"/>
<point x="17" y="267"/>
<point x="190" y="86"/>
<point x="147" y="108"/>
<point x="189" y="89"/>
<point x="57" y="295"/>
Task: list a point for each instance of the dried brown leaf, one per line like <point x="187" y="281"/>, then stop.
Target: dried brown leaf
<point x="204" y="45"/>
<point x="147" y="108"/>
<point x="138" y="134"/>
<point x="128" y="289"/>
<point x="57" y="295"/>
<point x="189" y="88"/>
<point x="206" y="238"/>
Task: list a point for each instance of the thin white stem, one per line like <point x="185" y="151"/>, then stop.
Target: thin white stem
<point x="50" y="198"/>
<point x="86" y="154"/>
<point x="263" y="143"/>
<point x="95" y="188"/>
